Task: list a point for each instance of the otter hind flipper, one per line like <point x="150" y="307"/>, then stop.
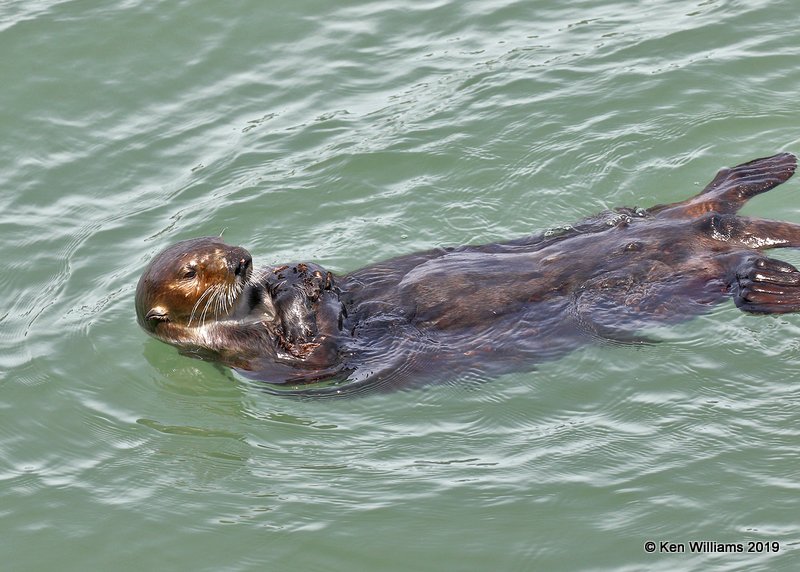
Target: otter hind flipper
<point x="767" y="286"/>
<point x="733" y="187"/>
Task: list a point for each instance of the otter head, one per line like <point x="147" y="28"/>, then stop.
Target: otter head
<point x="189" y="283"/>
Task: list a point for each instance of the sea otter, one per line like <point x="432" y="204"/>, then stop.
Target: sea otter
<point x="483" y="308"/>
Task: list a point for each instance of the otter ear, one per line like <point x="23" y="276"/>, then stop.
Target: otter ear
<point x="158" y="313"/>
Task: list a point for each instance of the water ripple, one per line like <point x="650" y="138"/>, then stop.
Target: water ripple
<point x="347" y="134"/>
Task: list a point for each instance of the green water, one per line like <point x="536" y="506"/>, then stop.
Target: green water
<point x="345" y="133"/>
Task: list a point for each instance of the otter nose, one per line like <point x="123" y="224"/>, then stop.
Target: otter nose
<point x="242" y="265"/>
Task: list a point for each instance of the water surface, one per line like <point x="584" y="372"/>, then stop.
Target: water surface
<point x="346" y="133"/>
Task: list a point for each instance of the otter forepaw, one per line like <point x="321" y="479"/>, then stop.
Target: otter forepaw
<point x="767" y="286"/>
<point x="313" y="280"/>
<point x="302" y="351"/>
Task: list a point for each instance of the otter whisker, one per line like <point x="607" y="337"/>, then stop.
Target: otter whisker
<point x="217" y="300"/>
<point x="212" y="300"/>
<point x="209" y="297"/>
<point x="206" y="293"/>
<point x="234" y="290"/>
